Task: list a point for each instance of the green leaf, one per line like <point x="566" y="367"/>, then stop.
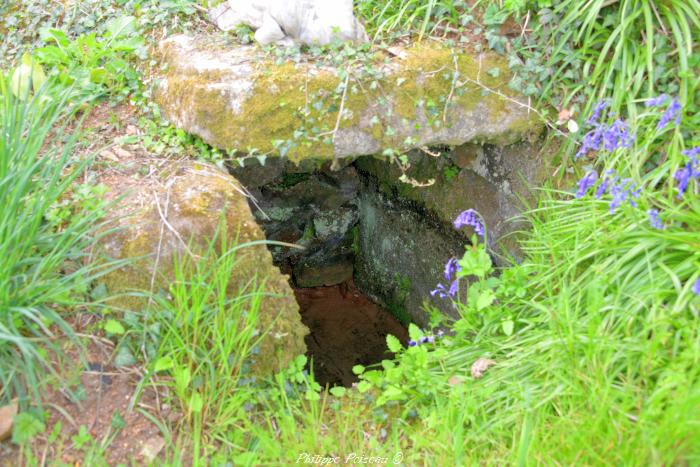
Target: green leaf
<point x="25" y="427"/>
<point x="358" y="369"/>
<point x="312" y="396"/>
<point x="363" y="386"/>
<point x="414" y="332"/>
<point x="196" y="402"/>
<point x="486" y="298"/>
<point x="495" y="72"/>
<point x="29" y="75"/>
<point x="338" y="391"/>
<point x="124" y="357"/>
<point x="114" y="327"/>
<point x="163" y="364"/>
<point x="508" y="327"/>
<point x="393" y="344"/>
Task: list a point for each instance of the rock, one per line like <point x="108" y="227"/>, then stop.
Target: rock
<point x="178" y="209"/>
<point x="7" y="416"/>
<point x="334" y="223"/>
<point x="238" y="98"/>
<point x="151" y="448"/>
<point x="310" y="22"/>
<point x="323" y="270"/>
<point x="480" y="366"/>
<point x="493" y="180"/>
<point x="401" y="256"/>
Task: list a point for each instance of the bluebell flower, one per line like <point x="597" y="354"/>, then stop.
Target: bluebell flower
<point x="617" y="136"/>
<point x="683" y="176"/>
<point x="603" y="187"/>
<point x="443" y="292"/>
<point x="673" y="112"/>
<point x="654" y="219"/>
<point x="440" y="290"/>
<point x="591" y="141"/>
<point x="692" y="153"/>
<point x="586" y="182"/>
<point x="451" y="267"/>
<point x="454" y="288"/>
<point x="656" y="101"/>
<point x="469" y="218"/>
<point x="622" y="192"/>
<point x="425" y="340"/>
<point x="595" y="116"/>
<point x="696" y="287"/>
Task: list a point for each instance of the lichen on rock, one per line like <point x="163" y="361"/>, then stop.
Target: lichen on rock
<point x="235" y="97"/>
<point x="177" y="212"/>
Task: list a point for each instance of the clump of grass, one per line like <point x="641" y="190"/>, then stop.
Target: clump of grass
<point x="37" y="168"/>
<point x="401" y="16"/>
<point x="210" y="336"/>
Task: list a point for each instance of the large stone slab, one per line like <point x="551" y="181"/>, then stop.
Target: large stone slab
<point x="238" y="97"/>
<point x="176" y="211"/>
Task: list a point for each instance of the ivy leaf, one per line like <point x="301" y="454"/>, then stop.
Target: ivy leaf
<point x="124" y="357"/>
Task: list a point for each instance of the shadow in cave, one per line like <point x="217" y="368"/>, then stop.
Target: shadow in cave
<point x="346" y="329"/>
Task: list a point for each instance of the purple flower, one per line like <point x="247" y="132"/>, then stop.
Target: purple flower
<point x="591" y="141"/>
<point x="654" y="219"/>
<point x="692" y="153"/>
<point x="656" y="101"/>
<point x="412" y="343"/>
<point x="471" y="218"/>
<point x="451" y="267"/>
<point x="454" y="288"/>
<point x="696" y="287"/>
<point x="440" y="290"/>
<point x="603" y="187"/>
<point x="683" y="176"/>
<point x="443" y="292"/>
<point x="595" y="116"/>
<point x="622" y="192"/>
<point x="617" y="136"/>
<point x="586" y="183"/>
<point x="672" y="112"/>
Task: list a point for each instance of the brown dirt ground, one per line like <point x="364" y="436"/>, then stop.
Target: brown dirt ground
<point x="347" y="329"/>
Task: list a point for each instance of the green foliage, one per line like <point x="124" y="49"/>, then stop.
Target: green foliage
<point x="401" y="16"/>
<point x="96" y="64"/>
<point x="37" y="169"/>
<point x="210" y="337"/>
<point x="581" y="51"/>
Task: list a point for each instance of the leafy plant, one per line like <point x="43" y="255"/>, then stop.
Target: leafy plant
<point x="37" y="168"/>
<point x="99" y="65"/>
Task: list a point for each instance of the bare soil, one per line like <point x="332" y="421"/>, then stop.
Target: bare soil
<point x="346" y="329"/>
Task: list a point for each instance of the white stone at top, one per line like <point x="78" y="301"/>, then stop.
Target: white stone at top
<point x="286" y="22"/>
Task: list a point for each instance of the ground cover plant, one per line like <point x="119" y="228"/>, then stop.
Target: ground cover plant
<point x="584" y="351"/>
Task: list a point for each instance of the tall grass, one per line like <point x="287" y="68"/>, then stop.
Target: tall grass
<point x="37" y="168"/>
<point x="401" y="16"/>
<point x="625" y="50"/>
<point x="210" y="335"/>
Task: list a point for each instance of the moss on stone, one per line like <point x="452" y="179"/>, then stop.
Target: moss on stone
<point x="292" y="109"/>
